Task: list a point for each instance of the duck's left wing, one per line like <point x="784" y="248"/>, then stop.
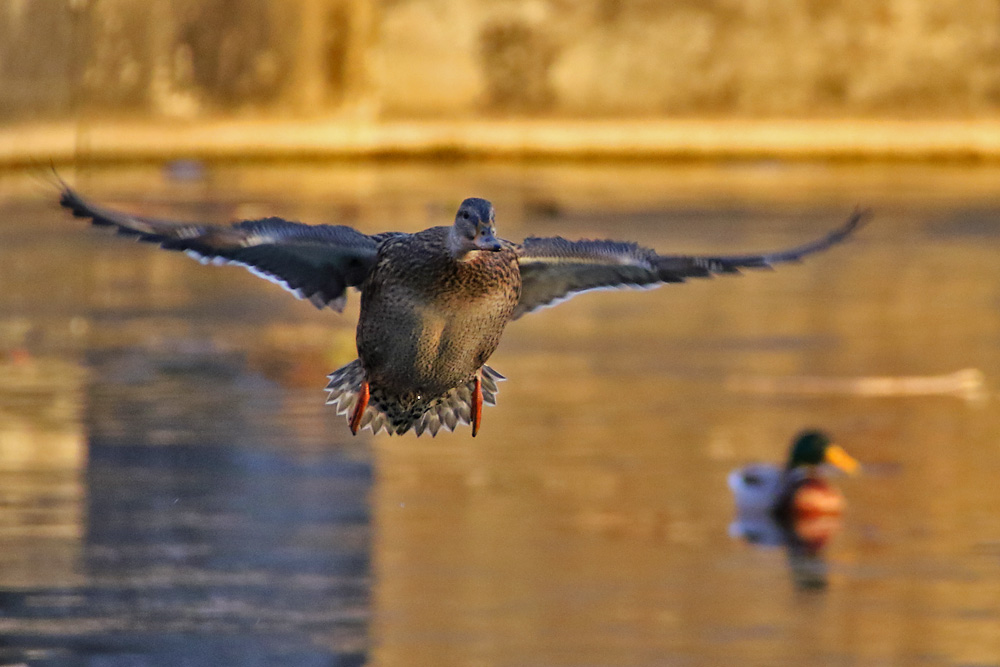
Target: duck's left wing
<point x="554" y="269"/>
<point x="314" y="262"/>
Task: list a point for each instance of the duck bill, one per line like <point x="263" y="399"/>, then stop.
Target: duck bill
<point x="837" y="457"/>
<point x="488" y="242"/>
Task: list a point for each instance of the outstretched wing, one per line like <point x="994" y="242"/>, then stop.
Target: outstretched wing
<point x="554" y="269"/>
<point x="314" y="262"/>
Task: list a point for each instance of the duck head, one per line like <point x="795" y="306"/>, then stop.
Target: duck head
<point x="474" y="229"/>
<point x="814" y="448"/>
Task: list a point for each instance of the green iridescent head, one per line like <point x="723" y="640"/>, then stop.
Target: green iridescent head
<point x="814" y="447"/>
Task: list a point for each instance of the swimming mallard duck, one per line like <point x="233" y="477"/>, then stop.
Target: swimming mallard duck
<point x="798" y="490"/>
<point x="433" y="303"/>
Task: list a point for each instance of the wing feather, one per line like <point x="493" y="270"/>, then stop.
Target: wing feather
<point x="314" y="262"/>
<point x="554" y="269"/>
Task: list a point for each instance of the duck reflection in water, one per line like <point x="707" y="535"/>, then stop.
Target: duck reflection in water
<point x="795" y="506"/>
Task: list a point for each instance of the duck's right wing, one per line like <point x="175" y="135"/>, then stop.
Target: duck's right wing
<point x="314" y="262"/>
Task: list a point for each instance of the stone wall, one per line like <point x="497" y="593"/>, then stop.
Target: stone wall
<point x="416" y="59"/>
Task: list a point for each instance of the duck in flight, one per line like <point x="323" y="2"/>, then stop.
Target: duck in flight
<point x="433" y="303"/>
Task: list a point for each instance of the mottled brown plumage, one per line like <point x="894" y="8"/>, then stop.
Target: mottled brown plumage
<point x="433" y="304"/>
<point x="429" y="321"/>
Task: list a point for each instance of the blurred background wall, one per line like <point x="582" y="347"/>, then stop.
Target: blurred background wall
<point x="414" y="60"/>
<point x="580" y="58"/>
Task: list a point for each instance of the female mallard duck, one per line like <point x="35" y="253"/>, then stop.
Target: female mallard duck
<point x="433" y="303"/>
<point x="797" y="490"/>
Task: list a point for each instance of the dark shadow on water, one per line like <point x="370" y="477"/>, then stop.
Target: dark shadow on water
<point x="231" y="544"/>
<point x="209" y="556"/>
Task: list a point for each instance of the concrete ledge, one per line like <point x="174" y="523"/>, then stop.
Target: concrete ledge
<point x="229" y="140"/>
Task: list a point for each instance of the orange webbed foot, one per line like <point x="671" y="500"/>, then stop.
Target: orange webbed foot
<point x="359" y="408"/>
<point x="477" y="405"/>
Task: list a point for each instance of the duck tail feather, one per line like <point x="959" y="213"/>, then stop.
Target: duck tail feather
<point x="455" y="407"/>
<point x="446" y="412"/>
<point x="343" y="388"/>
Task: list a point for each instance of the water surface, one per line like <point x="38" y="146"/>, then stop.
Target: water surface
<point x="173" y="491"/>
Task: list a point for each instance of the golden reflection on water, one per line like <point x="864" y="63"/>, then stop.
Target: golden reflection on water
<point x="42" y="451"/>
<point x="587" y="524"/>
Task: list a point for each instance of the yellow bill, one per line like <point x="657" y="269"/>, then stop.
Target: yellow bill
<point x="836" y="456"/>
